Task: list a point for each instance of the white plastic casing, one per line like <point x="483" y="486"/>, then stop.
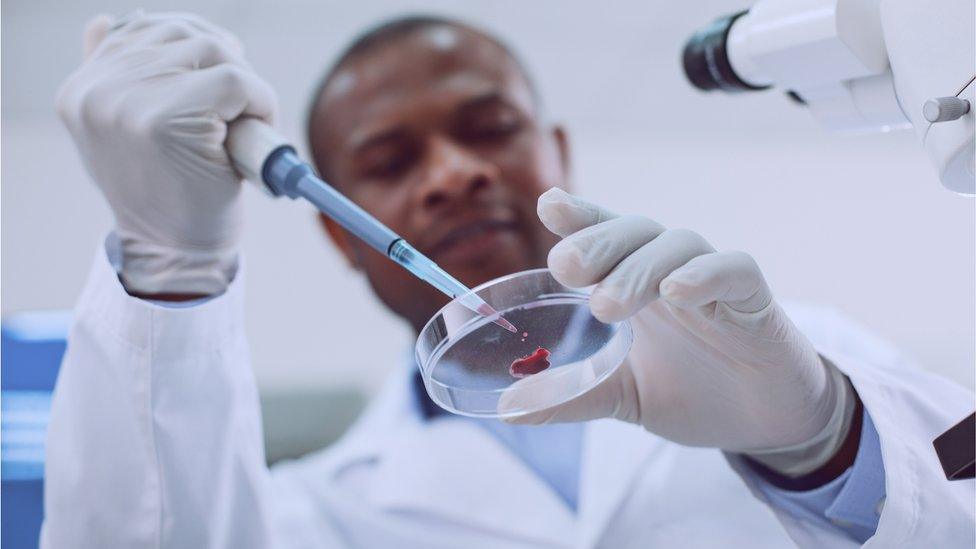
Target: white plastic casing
<point x="807" y="43"/>
<point x="932" y="48"/>
<point x="831" y="52"/>
<point x="249" y="143"/>
<point x="869" y="65"/>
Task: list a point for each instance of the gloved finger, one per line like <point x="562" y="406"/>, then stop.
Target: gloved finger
<point x="614" y="397"/>
<point x="132" y="19"/>
<point x="635" y="282"/>
<point x="233" y="91"/>
<point x="211" y="28"/>
<point x="202" y="51"/>
<point x="564" y="214"/>
<point x="110" y="35"/>
<point x="137" y="30"/>
<point x="730" y="277"/>
<point x="96" y="29"/>
<point x="163" y="32"/>
<point x="586" y="256"/>
<point x="165" y="27"/>
<point x="138" y="25"/>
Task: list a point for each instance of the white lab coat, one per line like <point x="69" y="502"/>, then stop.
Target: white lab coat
<point x="155" y="441"/>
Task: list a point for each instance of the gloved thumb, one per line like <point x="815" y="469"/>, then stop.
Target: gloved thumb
<point x="615" y="397"/>
<point x="95" y="31"/>
<point x="565" y="214"/>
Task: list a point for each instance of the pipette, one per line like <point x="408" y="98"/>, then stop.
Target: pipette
<point x="265" y="158"/>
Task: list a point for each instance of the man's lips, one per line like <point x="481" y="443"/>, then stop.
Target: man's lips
<point x="468" y="232"/>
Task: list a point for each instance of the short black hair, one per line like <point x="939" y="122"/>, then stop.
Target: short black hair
<point x="390" y="31"/>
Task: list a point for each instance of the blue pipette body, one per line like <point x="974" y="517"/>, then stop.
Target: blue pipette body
<point x="285" y="174"/>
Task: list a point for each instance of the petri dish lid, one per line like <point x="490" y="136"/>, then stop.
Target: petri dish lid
<point x="466" y="361"/>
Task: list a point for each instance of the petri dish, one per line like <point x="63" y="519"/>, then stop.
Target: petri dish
<point x="465" y="359"/>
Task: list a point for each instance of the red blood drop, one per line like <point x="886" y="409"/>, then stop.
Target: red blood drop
<point x="532" y="364"/>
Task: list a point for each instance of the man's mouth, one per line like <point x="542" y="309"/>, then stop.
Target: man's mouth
<point x="474" y="238"/>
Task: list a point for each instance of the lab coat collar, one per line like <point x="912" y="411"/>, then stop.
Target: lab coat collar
<point x="615" y="453"/>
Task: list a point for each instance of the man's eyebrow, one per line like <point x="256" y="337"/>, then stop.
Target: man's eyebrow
<point x="360" y="140"/>
<point x="366" y="139"/>
<point x="487" y="98"/>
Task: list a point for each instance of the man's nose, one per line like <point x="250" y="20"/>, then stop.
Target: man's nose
<point x="454" y="173"/>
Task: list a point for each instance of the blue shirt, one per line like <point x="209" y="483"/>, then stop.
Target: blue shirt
<point x="851" y="502"/>
<point x="552" y="452"/>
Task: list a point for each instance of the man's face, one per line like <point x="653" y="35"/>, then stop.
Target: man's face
<point x="436" y="134"/>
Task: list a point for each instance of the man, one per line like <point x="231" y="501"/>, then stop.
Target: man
<point x="433" y="127"/>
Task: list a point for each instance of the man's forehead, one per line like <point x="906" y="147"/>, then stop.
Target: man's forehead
<point x="452" y="93"/>
<point x="438" y="58"/>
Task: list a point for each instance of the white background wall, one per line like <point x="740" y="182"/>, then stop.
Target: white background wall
<point x="856" y="221"/>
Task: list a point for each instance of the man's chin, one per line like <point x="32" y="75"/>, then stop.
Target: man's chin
<point x="478" y="260"/>
<point x="478" y="270"/>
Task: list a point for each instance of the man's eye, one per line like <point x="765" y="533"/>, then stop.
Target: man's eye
<point x="389" y="166"/>
<point x="491" y="130"/>
<point x="498" y="130"/>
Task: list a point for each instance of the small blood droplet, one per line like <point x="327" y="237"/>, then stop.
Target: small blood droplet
<point x="532" y="364"/>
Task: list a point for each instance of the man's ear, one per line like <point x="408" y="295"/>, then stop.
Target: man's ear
<point x="341" y="239"/>
<point x="561" y="138"/>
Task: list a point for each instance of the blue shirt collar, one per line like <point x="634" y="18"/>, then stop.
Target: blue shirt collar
<point x="428" y="410"/>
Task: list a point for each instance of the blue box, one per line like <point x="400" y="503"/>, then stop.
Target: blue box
<point x="31" y="347"/>
<point x="32" y="344"/>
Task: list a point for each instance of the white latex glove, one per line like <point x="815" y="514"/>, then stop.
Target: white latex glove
<point x="715" y="361"/>
<point x="148" y="110"/>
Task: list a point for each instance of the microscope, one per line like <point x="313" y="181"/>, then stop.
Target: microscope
<point x="862" y="65"/>
<point x="868" y="65"/>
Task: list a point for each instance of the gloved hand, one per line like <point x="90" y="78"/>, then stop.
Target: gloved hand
<point x="148" y="110"/>
<point x="715" y="361"/>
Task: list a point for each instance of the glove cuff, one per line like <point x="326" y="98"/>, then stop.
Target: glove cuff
<point x="148" y="268"/>
<point x="803" y="458"/>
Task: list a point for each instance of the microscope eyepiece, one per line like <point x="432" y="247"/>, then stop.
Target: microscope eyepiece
<point x="706" y="58"/>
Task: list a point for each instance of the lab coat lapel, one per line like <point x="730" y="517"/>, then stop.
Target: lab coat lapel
<point x="614" y="454"/>
<point x="455" y="469"/>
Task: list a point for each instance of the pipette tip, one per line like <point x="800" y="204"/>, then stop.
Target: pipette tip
<point x="487" y="310"/>
<point x="506" y="324"/>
